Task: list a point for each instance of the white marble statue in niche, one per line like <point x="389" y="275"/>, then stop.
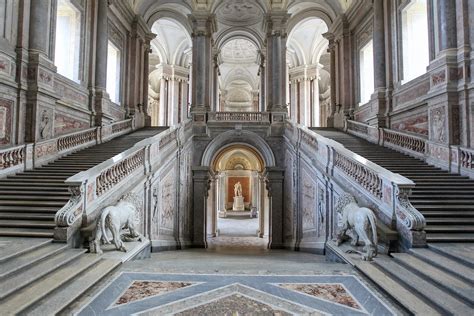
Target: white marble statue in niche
<point x="238" y="189"/>
<point x="238" y="198"/>
<point x="360" y="222"/>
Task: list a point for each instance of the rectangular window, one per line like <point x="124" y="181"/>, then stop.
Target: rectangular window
<point x="68" y="40"/>
<point x="415" y="39"/>
<point x="366" y="68"/>
<point x="113" y="72"/>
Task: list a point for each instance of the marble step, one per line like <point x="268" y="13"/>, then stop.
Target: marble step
<point x="14" y="223"/>
<point x="449" y="237"/>
<point x="24" y="232"/>
<point x="453" y="195"/>
<point x="36" y="197"/>
<point x="455" y="201"/>
<point x="450" y="220"/>
<point x="431" y="207"/>
<point x="414" y="304"/>
<point x="55" y="302"/>
<point x="22" y="246"/>
<point x="454" y="285"/>
<point x="16" y="282"/>
<point x="34" y="181"/>
<point x="460" y="252"/>
<point x="30" y="258"/>
<point x="50" y="176"/>
<point x="431" y="192"/>
<point x="442" y="214"/>
<point x="26" y="216"/>
<point x="444" y="302"/>
<point x="449" y="228"/>
<point x="446" y="263"/>
<point x="39" y="289"/>
<point x="58" y="185"/>
<point x="32" y="203"/>
<point x="29" y="209"/>
<point x="47" y="173"/>
<point x="38" y="193"/>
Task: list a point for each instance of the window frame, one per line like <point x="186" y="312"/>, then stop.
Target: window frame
<point x="119" y="63"/>
<point x="78" y="5"/>
<point x="363" y="45"/>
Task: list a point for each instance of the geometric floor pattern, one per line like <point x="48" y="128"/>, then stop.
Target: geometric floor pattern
<point x="201" y="294"/>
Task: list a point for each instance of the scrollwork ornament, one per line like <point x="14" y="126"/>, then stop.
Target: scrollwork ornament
<point x="68" y="214"/>
<point x="412" y="218"/>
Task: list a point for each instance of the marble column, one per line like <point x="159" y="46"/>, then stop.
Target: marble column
<point x="276" y="64"/>
<point x="40" y="97"/>
<point x="201" y="178"/>
<point x="261" y="73"/>
<point x="447" y="24"/>
<point x="261" y="206"/>
<point x="173" y="101"/>
<point x="163" y="110"/>
<point x="274" y="179"/>
<point x="102" y="41"/>
<point x="215" y="83"/>
<point x="40" y="26"/>
<point x="332" y="52"/>
<point x="379" y="61"/>
<point x="204" y="25"/>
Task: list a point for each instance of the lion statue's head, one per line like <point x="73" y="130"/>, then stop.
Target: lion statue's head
<point x="344" y="200"/>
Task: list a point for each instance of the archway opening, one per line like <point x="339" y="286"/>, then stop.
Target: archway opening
<point x="169" y="73"/>
<point x="308" y="65"/>
<point x="238" y="83"/>
<point x="238" y="205"/>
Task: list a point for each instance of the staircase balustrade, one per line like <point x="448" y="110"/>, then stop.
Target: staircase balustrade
<point x="461" y="160"/>
<point x="388" y="191"/>
<point x="262" y="117"/>
<point x="12" y="157"/>
<point x="90" y="189"/>
<point x="28" y="156"/>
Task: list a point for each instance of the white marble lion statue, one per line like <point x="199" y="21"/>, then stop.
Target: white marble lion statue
<point x="361" y="221"/>
<point x="125" y="214"/>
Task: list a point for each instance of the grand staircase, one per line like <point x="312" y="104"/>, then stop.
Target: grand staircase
<point x="445" y="199"/>
<point x="29" y="200"/>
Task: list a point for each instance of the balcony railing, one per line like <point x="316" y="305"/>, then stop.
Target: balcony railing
<point x="260" y="117"/>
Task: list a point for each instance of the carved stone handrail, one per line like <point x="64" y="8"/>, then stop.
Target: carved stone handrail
<point x="76" y="139"/>
<point x="91" y="187"/>
<point x="263" y="117"/>
<point x="411" y="144"/>
<point x="466" y="157"/>
<point x="32" y="155"/>
<point x="388" y="191"/>
<point x="12" y="157"/>
<point x="405" y="141"/>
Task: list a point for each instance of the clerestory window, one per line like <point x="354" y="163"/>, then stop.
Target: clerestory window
<point x="68" y="40"/>
<point x="366" y="69"/>
<point x="415" y="45"/>
<point x="113" y="72"/>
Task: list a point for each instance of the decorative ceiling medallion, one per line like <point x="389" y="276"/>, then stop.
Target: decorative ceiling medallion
<point x="239" y="12"/>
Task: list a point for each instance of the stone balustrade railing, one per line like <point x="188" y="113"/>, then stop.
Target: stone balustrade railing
<point x="32" y="155"/>
<point x="263" y="117"/>
<point x="90" y="189"/>
<point x="453" y="158"/>
<point x="386" y="191"/>
<point x="410" y="144"/>
<point x="12" y="158"/>
<point x="466" y="158"/>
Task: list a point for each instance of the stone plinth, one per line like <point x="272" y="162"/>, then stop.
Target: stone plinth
<point x="238" y="203"/>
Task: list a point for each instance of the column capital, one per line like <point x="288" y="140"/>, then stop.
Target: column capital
<point x="203" y="23"/>
<point x="276" y="23"/>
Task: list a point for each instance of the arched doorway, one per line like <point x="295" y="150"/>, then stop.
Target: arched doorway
<point x="238" y="205"/>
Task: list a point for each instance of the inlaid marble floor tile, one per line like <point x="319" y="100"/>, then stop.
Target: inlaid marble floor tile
<point x="235" y="304"/>
<point x="139" y="290"/>
<point x="330" y="292"/>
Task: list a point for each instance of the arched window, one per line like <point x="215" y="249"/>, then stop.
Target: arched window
<point x="366" y="68"/>
<point x="68" y="40"/>
<point x="415" y="39"/>
<point x="113" y="72"/>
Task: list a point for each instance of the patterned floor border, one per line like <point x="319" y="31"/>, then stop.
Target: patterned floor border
<point x="210" y="288"/>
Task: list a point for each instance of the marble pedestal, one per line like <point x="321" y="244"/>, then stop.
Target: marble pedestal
<point x="238" y="203"/>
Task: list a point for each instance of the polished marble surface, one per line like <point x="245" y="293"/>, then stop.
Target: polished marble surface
<point x="233" y="281"/>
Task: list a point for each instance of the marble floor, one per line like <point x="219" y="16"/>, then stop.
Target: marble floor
<point x="233" y="281"/>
